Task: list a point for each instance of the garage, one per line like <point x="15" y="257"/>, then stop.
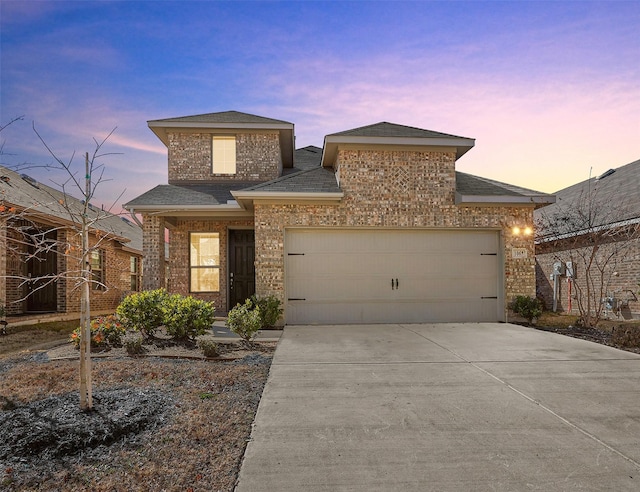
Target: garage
<point x="353" y="276"/>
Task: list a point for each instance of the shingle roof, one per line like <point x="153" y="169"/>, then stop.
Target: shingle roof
<point x="386" y="129"/>
<point x="615" y="195"/>
<point x="222" y="117"/>
<point x="472" y="189"/>
<point x="314" y="180"/>
<point x="42" y="200"/>
<point x="307" y="157"/>
<point x="468" y="184"/>
<point x="188" y="194"/>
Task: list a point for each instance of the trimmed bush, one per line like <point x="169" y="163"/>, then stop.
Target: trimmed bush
<point x="186" y="317"/>
<point x="245" y="320"/>
<point x="143" y="311"/>
<point x="270" y="310"/>
<point x="527" y="307"/>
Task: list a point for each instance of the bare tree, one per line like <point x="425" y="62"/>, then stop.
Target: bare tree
<point x="592" y="232"/>
<point x="31" y="240"/>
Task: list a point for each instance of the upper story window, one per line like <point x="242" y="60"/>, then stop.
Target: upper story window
<point x="223" y="154"/>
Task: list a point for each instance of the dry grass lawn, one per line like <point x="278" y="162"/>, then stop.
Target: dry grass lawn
<point x="195" y="442"/>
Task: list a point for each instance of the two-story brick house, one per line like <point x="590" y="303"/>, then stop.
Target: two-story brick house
<point x="377" y="226"/>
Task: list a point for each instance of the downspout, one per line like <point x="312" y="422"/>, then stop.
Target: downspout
<point x="135" y="219"/>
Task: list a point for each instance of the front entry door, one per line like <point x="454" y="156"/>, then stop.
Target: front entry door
<point x="242" y="273"/>
<point x="41" y="268"/>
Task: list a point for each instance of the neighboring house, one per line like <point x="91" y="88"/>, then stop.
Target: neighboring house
<point x="39" y="279"/>
<point x="606" y="207"/>
<point x="377" y="226"/>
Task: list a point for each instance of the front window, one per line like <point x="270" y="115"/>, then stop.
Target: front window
<point x="223" y="155"/>
<point x="135" y="273"/>
<point x="204" y="261"/>
<point x="97" y="270"/>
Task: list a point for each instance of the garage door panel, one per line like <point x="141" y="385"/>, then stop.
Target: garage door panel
<point x="345" y="276"/>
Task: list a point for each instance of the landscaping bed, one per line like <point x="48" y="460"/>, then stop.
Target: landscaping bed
<point x="165" y="421"/>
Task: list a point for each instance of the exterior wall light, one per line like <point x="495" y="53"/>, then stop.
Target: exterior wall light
<point x="518" y="231"/>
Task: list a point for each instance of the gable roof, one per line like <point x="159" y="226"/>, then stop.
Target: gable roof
<point x="614" y="196"/>
<point x="385" y="133"/>
<point x="475" y="190"/>
<point x="225" y="118"/>
<point x="228" y="120"/>
<point x="42" y="203"/>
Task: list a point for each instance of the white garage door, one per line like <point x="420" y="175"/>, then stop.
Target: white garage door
<point x="336" y="276"/>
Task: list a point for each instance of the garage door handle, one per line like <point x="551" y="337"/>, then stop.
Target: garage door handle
<point x="296" y="299"/>
<point x="489" y="297"/>
<point x="394" y="286"/>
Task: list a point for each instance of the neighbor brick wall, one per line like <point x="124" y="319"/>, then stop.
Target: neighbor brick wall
<point x="257" y="157"/>
<point x="3" y="261"/>
<point x="377" y="194"/>
<point x="117" y="267"/>
<point x="628" y="278"/>
<point x="117" y="276"/>
<point x="179" y="258"/>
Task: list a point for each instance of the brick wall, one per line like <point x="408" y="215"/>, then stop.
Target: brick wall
<point x="153" y="264"/>
<point x="117" y="267"/>
<point x="179" y="258"/>
<point x="627" y="279"/>
<point x="3" y="261"/>
<point x="377" y="194"/>
<point x="257" y="157"/>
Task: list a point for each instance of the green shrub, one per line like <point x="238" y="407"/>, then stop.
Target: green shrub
<point x="186" y="317"/>
<point x="106" y="332"/>
<point x="134" y="346"/>
<point x="527" y="307"/>
<point x="143" y="311"/>
<point x="270" y="310"/>
<point x="245" y="320"/>
<point x="209" y="348"/>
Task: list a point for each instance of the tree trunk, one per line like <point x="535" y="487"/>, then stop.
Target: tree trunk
<point x="86" y="399"/>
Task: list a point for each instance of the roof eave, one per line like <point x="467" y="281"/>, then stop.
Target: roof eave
<point x="248" y="198"/>
<point x="331" y="143"/>
<point x="503" y="200"/>
<point x="164" y="209"/>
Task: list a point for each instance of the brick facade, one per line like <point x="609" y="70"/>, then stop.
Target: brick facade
<point x="179" y="274"/>
<point x="13" y="271"/>
<point x="376" y="194"/>
<point x="153" y="264"/>
<point x="626" y="284"/>
<point x="257" y="157"/>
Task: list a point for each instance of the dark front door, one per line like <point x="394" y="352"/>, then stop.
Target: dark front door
<point x="42" y="266"/>
<point x="242" y="273"/>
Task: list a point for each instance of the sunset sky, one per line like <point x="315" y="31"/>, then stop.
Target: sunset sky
<point x="549" y="90"/>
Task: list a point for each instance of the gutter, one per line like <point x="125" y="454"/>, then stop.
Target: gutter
<point x="503" y="199"/>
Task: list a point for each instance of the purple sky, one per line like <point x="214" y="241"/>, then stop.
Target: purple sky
<point x="549" y="90"/>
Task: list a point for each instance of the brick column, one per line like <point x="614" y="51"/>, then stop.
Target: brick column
<point x="153" y="267"/>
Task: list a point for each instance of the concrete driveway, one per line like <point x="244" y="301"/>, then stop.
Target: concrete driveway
<point x="445" y="407"/>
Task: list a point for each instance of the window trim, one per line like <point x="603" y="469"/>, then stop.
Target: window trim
<point x="217" y="268"/>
